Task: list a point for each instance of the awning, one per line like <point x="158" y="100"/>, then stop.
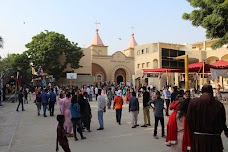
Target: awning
<point x="221" y="64"/>
<point x="198" y="67"/>
<point x="162" y="70"/>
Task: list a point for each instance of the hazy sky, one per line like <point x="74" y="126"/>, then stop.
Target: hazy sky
<point x="153" y="20"/>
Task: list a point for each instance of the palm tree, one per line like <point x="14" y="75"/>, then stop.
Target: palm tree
<point x="1" y="42"/>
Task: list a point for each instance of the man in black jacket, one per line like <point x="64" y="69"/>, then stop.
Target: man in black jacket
<point x="134" y="109"/>
<point x="146" y="112"/>
<point x="20" y="98"/>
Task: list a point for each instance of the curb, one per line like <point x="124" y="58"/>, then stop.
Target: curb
<point x="12" y="138"/>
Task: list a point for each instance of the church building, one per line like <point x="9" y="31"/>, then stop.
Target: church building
<point x="99" y="67"/>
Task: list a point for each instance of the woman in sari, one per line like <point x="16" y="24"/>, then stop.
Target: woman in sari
<point x="178" y="134"/>
<point x="66" y="112"/>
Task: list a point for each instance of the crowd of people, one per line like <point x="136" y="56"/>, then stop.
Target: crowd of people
<point x="195" y="124"/>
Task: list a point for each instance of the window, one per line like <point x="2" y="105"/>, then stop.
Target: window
<point x="155" y="50"/>
<point x="138" y="66"/>
<point x="142" y="51"/>
<point x="148" y="64"/>
<point x="147" y="50"/>
<point x="99" y="78"/>
<point x="143" y="65"/>
<point x="138" y="52"/>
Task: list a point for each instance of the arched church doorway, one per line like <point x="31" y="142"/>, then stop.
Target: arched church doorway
<point x="119" y="79"/>
<point x="120" y="76"/>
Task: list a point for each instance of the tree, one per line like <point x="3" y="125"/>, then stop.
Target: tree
<point x="211" y="15"/>
<point x="21" y="63"/>
<point x="16" y="63"/>
<point x="1" y="42"/>
<point x="46" y="48"/>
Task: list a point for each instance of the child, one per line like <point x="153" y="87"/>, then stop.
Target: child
<point x="61" y="135"/>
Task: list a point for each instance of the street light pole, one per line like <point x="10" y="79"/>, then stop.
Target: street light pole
<point x="186" y="72"/>
<point x="185" y="57"/>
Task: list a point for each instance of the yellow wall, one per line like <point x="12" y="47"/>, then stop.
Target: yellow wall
<point x="99" y="50"/>
<point x="129" y="52"/>
<point x="85" y="62"/>
<point x="111" y="63"/>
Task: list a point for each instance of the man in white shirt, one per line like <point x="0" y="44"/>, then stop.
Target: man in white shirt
<point x="167" y="97"/>
<point x="88" y="92"/>
<point x="96" y="92"/>
<point x="101" y="109"/>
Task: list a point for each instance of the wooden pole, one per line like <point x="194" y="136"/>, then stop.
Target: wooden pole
<point x="70" y="82"/>
<point x="203" y="74"/>
<point x="186" y="72"/>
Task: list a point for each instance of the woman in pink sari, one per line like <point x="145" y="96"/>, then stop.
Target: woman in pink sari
<point x="66" y="112"/>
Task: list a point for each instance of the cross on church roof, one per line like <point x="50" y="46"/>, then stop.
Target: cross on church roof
<point x="97" y="40"/>
<point x="97" y="24"/>
<point x="132" y="29"/>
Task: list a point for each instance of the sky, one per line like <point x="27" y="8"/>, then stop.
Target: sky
<point x="153" y="21"/>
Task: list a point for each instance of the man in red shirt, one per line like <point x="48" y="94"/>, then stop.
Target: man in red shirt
<point x="118" y="103"/>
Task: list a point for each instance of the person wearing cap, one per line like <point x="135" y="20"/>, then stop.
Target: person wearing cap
<point x="146" y="112"/>
<point x="61" y="135"/>
<point x="117" y="105"/>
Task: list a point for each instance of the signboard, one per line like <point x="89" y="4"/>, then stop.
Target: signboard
<point x="152" y="75"/>
<point x="71" y="75"/>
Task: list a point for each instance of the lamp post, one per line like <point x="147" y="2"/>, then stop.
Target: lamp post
<point x="203" y="72"/>
<point x="185" y="57"/>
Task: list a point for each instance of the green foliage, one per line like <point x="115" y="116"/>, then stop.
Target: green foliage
<point x="213" y="16"/>
<point x="16" y="63"/>
<point x="1" y="42"/>
<point x="21" y="63"/>
<point x="46" y="48"/>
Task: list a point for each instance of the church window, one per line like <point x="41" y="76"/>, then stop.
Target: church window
<point x="138" y="52"/>
<point x="99" y="78"/>
<point x="138" y="66"/>
<point x="143" y="65"/>
<point x="147" y="50"/>
<point x="148" y="64"/>
<point x="142" y="51"/>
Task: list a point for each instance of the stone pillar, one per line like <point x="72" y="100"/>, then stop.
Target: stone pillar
<point x="176" y="79"/>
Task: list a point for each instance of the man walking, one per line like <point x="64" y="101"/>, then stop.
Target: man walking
<point x="52" y="102"/>
<point x="146" y="112"/>
<point x="20" y="98"/>
<point x="96" y="92"/>
<point x="88" y="92"/>
<point x="44" y="98"/>
<point x="109" y="96"/>
<point x="25" y="92"/>
<point x="206" y="119"/>
<point x="101" y="109"/>
<point x="117" y="105"/>
<point x="167" y="96"/>
<point x="134" y="109"/>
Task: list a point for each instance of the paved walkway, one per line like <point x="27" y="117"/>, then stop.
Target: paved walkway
<point x="26" y="132"/>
